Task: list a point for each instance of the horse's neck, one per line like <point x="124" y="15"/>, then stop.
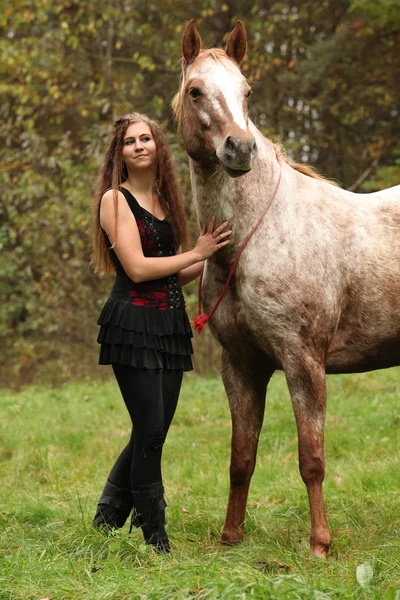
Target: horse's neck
<point x="213" y="193"/>
<point x="235" y="200"/>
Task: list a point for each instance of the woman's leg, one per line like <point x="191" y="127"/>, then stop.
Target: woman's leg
<point x="120" y="474"/>
<point x="115" y="503"/>
<point x="152" y="407"/>
<point x="141" y="390"/>
<point x="142" y="394"/>
<point x="151" y="398"/>
<point x="171" y="387"/>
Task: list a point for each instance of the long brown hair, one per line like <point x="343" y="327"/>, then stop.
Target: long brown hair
<point x="113" y="173"/>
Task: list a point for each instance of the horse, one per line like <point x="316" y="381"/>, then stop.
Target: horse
<point x="316" y="289"/>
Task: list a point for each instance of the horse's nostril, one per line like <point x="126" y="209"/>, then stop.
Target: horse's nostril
<point x="230" y="143"/>
<point x="240" y="148"/>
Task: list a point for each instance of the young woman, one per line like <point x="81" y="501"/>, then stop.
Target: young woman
<point x="139" y="227"/>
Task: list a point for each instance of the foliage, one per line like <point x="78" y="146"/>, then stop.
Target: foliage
<point x="57" y="446"/>
<point x="332" y="78"/>
<point x="384" y="13"/>
<point x="326" y="77"/>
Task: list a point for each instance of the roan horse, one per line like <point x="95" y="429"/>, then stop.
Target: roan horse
<point x="316" y="289"/>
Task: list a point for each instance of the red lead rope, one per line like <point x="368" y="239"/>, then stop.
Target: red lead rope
<point x="201" y="319"/>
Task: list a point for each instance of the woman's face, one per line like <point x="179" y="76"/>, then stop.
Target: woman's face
<point x="139" y="149"/>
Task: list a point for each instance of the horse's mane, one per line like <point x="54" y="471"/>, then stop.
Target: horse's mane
<point x="307" y="170"/>
<point x="301" y="168"/>
<point x="312" y="172"/>
<point x="177" y="107"/>
<point x="176" y="104"/>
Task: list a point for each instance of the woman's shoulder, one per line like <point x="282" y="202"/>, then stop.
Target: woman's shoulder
<point x="110" y="194"/>
<point x="107" y="211"/>
<point x="107" y="199"/>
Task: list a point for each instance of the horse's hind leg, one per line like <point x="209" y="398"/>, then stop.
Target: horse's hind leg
<point x="245" y="386"/>
<point x="307" y="385"/>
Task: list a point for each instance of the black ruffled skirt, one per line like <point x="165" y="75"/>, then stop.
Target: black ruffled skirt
<point x="142" y="337"/>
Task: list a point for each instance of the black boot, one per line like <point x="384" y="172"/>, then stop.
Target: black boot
<point x="113" y="509"/>
<point x="149" y="514"/>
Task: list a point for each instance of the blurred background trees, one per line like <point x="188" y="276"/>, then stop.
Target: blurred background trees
<point x="326" y="77"/>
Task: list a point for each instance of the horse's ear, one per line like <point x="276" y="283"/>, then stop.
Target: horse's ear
<point x="191" y="43"/>
<point x="237" y="43"/>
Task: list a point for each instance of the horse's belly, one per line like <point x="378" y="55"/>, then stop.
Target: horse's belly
<point x="368" y="336"/>
<point x="360" y="358"/>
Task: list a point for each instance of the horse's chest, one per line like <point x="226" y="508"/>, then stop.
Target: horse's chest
<point x="234" y="318"/>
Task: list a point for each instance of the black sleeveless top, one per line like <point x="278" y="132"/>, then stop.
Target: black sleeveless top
<point x="145" y="325"/>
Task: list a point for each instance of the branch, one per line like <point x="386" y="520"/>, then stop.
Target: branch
<point x="364" y="175"/>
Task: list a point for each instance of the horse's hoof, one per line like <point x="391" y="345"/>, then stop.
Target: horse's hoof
<point x="319" y="550"/>
<point x="320" y="543"/>
<point x="230" y="538"/>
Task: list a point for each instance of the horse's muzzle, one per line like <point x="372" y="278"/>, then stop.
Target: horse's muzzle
<point x="236" y="154"/>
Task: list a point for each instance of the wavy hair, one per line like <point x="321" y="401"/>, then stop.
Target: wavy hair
<point x="113" y="172"/>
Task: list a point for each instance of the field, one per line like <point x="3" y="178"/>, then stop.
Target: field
<point x="57" y="446"/>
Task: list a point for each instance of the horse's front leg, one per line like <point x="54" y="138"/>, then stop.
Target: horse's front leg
<point x="307" y="386"/>
<point x="245" y="385"/>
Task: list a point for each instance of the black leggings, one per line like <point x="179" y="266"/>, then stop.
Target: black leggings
<point x="151" y="397"/>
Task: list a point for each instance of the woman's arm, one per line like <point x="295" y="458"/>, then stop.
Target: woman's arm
<point x="129" y="248"/>
<point x="190" y="273"/>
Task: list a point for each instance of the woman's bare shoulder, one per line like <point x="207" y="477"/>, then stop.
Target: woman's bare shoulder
<point x="107" y="200"/>
<point x="107" y="210"/>
<point x="109" y="195"/>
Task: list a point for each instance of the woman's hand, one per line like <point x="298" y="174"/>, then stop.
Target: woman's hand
<point x="211" y="240"/>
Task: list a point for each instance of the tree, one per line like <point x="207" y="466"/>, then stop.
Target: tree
<point x="326" y="79"/>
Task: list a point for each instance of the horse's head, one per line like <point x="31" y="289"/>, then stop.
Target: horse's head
<point x="211" y="105"/>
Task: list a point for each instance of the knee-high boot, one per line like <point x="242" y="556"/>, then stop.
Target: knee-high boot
<point x="149" y="514"/>
<point x="114" y="507"/>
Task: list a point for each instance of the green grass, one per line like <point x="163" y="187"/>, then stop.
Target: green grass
<point x="57" y="445"/>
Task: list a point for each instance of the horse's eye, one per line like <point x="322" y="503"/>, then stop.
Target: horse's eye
<point x="249" y="93"/>
<point x="195" y="92"/>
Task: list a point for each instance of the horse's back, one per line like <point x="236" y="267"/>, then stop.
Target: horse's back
<point x="336" y="274"/>
<point x="389" y="194"/>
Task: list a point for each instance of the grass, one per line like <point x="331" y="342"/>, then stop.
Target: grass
<point x="57" y="445"/>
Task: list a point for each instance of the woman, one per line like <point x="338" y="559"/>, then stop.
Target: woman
<point x="139" y="227"/>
